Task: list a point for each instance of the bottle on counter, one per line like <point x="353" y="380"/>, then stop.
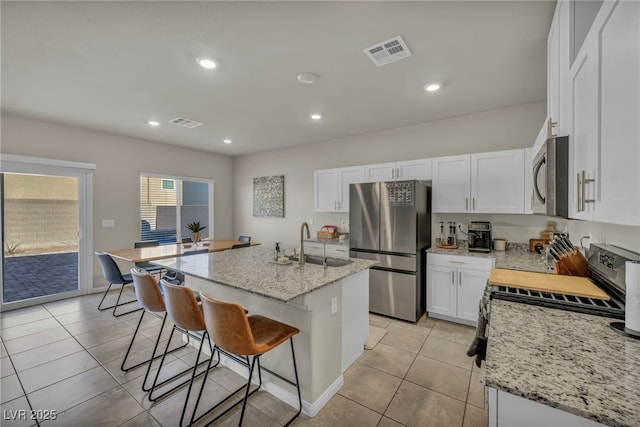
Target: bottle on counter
<point x="276" y="255"/>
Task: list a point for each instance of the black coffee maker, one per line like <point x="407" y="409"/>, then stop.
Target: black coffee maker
<point x="479" y="236"/>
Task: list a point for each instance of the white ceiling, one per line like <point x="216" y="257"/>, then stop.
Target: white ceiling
<point x="114" y="65"/>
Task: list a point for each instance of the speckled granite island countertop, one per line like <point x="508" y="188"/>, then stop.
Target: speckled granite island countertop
<point x="571" y="361"/>
<point x="517" y="257"/>
<point x="249" y="269"/>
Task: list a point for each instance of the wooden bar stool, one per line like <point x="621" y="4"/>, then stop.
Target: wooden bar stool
<point x="150" y="299"/>
<point x="186" y="313"/>
<point x="236" y="334"/>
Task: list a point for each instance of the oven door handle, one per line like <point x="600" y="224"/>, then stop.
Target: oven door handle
<point x="536" y="171"/>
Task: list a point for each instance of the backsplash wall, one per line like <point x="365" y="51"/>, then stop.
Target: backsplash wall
<point x="518" y="228"/>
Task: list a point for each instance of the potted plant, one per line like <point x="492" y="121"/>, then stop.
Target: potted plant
<point x="195" y="229"/>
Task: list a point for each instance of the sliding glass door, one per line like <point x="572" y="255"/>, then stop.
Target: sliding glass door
<point x="44" y="252"/>
<point x="168" y="204"/>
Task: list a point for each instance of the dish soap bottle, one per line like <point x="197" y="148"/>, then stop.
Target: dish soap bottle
<point x="441" y="239"/>
<point x="276" y="256"/>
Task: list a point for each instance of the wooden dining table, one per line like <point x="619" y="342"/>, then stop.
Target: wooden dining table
<point x="152" y="253"/>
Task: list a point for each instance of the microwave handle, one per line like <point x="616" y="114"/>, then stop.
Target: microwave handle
<point x="536" y="171"/>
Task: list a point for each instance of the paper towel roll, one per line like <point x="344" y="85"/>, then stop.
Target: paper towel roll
<point x="632" y="302"/>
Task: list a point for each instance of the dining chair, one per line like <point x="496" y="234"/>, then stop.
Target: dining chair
<point x="114" y="276"/>
<point x="153" y="269"/>
<point x="239" y="336"/>
<point x="244" y="238"/>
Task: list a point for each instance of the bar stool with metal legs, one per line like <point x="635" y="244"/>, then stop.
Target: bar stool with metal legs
<point x="185" y="312"/>
<point x="150" y="298"/>
<point x="235" y="333"/>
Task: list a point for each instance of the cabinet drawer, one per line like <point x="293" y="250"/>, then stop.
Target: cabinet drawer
<point x="477" y="263"/>
<point x="338" y="251"/>
<point x="312" y="248"/>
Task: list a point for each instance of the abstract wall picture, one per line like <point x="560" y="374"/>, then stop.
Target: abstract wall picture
<point x="268" y="196"/>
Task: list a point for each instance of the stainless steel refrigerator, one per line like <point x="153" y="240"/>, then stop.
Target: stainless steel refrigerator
<point x="390" y="222"/>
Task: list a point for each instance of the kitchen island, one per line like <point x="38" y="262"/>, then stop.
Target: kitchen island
<point x="329" y="305"/>
<point x="541" y="358"/>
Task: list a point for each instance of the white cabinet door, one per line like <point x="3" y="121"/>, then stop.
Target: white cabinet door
<point x="441" y="290"/>
<point x="346" y="177"/>
<point x="497" y="182"/>
<point x="379" y="172"/>
<point x="471" y="284"/>
<point x="337" y="251"/>
<point x="451" y="184"/>
<point x="619" y="76"/>
<point x="325" y="190"/>
<point x="584" y="79"/>
<point x="414" y="169"/>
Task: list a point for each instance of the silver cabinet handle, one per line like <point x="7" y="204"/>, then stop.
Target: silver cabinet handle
<point x="456" y="262"/>
<point x="473" y="203"/>
<point x="584" y="184"/>
<point x="460" y="278"/>
<point x="453" y="277"/>
<point x="466" y="203"/>
<point x="578" y="189"/>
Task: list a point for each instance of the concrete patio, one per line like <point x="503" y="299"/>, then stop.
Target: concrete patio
<point x="30" y="276"/>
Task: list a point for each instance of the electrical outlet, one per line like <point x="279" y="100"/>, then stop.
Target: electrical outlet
<point x="343" y="223"/>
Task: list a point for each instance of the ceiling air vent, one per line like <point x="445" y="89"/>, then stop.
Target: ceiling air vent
<point x="388" y="51"/>
<point x="185" y="123"/>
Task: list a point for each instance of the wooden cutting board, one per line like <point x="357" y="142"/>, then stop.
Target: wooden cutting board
<point x="568" y="285"/>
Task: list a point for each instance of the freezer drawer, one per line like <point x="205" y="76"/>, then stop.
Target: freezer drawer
<point x="397" y="262"/>
<point x="394" y="294"/>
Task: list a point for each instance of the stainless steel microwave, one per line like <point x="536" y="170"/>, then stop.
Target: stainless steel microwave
<point x="551" y="178"/>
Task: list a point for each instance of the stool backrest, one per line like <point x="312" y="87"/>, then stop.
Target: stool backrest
<point x="182" y="307"/>
<point x="244" y="238"/>
<point x="147" y="290"/>
<point x="110" y="269"/>
<point x="228" y="325"/>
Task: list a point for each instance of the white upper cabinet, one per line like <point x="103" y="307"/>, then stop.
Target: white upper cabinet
<point x="558" y="62"/>
<point x="331" y="188"/>
<point x="411" y="169"/>
<point x="451" y="183"/>
<point x="480" y="183"/>
<point x="618" y="188"/>
<point x="584" y="85"/>
<point x="605" y="102"/>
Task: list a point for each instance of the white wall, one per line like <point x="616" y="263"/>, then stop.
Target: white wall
<point x="507" y="128"/>
<point x="119" y="161"/>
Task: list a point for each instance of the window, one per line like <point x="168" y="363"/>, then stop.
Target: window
<point x="168" y="204"/>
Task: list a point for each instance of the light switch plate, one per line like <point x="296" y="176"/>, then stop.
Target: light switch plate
<point x="334" y="305"/>
<point x="108" y="222"/>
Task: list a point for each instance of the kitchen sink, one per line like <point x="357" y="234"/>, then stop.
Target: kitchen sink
<point x="331" y="262"/>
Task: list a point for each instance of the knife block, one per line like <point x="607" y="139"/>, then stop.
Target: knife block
<point x="573" y="264"/>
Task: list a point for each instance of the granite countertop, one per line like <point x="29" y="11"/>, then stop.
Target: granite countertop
<point x="250" y="269"/>
<point x="517" y="257"/>
<point x="571" y="361"/>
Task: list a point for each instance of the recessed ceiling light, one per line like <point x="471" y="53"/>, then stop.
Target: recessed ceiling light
<point x="432" y="87"/>
<point x="308" y="78"/>
<point x="153" y="123"/>
<point x="207" y="63"/>
<point x="226" y="141"/>
<point x="315" y="116"/>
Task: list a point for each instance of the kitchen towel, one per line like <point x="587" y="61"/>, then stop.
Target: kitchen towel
<point x="632" y="303"/>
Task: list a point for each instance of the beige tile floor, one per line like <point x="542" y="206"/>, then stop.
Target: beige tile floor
<point x="65" y="356"/>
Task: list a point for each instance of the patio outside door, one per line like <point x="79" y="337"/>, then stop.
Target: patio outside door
<point x="43" y="250"/>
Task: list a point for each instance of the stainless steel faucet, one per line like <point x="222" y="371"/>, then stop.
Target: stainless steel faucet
<point x="304" y="224"/>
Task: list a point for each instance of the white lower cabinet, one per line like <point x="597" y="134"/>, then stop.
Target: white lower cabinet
<point x="331" y="250"/>
<point x="455" y="285"/>
<point x="508" y="410"/>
